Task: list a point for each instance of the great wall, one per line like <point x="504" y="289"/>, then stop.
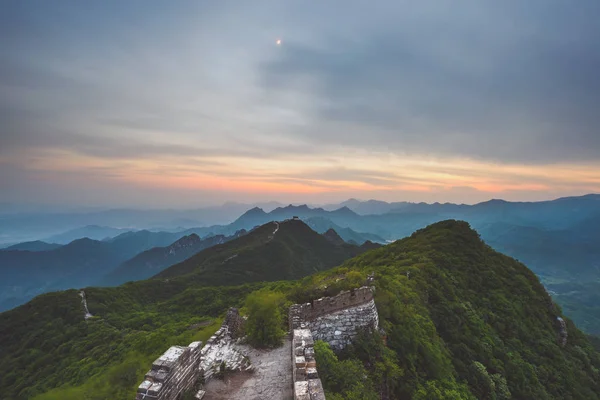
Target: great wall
<point x="286" y="373"/>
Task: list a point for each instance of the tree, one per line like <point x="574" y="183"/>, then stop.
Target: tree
<point x="265" y="319"/>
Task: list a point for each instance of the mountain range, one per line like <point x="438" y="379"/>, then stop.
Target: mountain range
<point x="459" y="319"/>
<point x="273" y="251"/>
<point x="557" y="239"/>
<point x="25" y="274"/>
<point x="150" y="262"/>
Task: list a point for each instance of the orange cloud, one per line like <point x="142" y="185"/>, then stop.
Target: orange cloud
<point x="339" y="173"/>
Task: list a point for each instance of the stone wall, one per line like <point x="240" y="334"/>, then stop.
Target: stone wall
<point x="336" y="320"/>
<point x="307" y="385"/>
<point x="173" y="373"/>
<point x="300" y="313"/>
<point x="562" y="331"/>
<point x="234" y="323"/>
<point x="221" y="349"/>
<point x="180" y="368"/>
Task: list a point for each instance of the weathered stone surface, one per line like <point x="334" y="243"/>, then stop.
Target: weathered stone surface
<point x="301" y="391"/>
<point x="315" y="389"/>
<point x="234" y="322"/>
<point x="562" y="331"/>
<point x="271" y="377"/>
<point x="220" y="350"/>
<point x="172" y="373"/>
<point x="336" y="320"/>
<point x="301" y="313"/>
<point x="305" y="367"/>
<point x="179" y="368"/>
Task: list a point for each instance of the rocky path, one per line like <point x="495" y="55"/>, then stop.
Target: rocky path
<point x="87" y="313"/>
<point x="271" y="379"/>
<point x="275" y="231"/>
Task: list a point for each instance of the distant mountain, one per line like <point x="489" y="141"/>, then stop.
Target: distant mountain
<point x="321" y="225"/>
<point x="254" y="216"/>
<point x="273" y="251"/>
<point x="257" y="216"/>
<point x="91" y="232"/>
<point x="564" y="253"/>
<point x="83" y="262"/>
<point x="368" y="245"/>
<point x="35" y="225"/>
<point x="368" y="207"/>
<point x="151" y="262"/>
<point x="36" y="245"/>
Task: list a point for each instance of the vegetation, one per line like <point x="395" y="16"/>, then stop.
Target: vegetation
<point x="463" y="321"/>
<point x="342" y="379"/>
<point x="150" y="262"/>
<point x="47" y="344"/>
<point x="265" y="318"/>
<point x="83" y="262"/>
<point x="459" y="321"/>
<point x="580" y="301"/>
<point x="295" y="251"/>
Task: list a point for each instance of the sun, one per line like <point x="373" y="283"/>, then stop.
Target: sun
<point x="278" y="42"/>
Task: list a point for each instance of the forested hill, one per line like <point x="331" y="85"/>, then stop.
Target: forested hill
<point x="274" y="251"/>
<point x="463" y="321"/>
<point x="459" y="321"/>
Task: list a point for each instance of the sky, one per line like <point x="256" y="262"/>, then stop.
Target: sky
<point x="190" y="103"/>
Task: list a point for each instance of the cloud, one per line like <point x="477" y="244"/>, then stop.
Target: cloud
<point x="491" y="84"/>
<point x="492" y="92"/>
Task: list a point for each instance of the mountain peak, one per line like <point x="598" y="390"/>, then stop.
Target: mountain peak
<point x="273" y="251"/>
<point x="333" y="237"/>
<point x="345" y="211"/>
<point x="291" y="207"/>
<point x="189" y="240"/>
<point x="255" y="210"/>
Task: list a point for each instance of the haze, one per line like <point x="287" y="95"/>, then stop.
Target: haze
<point x="187" y="103"/>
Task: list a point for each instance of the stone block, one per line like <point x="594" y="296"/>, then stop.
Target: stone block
<point x="300" y="374"/>
<point x="309" y="353"/>
<point x="300" y="362"/>
<point x="311" y="373"/>
<point x="301" y="391"/>
<point x="315" y="389"/>
<point x="200" y="394"/>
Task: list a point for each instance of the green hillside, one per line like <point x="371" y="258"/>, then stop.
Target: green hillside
<point x="459" y="320"/>
<point x="463" y="322"/>
<point x="274" y="251"/>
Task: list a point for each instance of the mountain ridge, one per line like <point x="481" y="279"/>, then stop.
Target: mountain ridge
<point x="460" y="319"/>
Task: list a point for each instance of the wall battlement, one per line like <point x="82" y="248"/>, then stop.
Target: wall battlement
<point x="337" y="320"/>
<point x="304" y="313"/>
<point x="180" y="368"/>
<point x="172" y="373"/>
<point x="307" y="385"/>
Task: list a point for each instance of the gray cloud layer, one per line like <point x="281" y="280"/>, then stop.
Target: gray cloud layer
<point x="510" y="81"/>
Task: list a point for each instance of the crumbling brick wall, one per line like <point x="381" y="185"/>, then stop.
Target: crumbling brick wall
<point x="234" y="323"/>
<point x="179" y="368"/>
<point x="336" y="320"/>
<point x="172" y="374"/>
<point x="307" y="385"/>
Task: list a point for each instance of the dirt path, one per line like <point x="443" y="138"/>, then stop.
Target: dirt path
<point x="87" y="313"/>
<point x="271" y="379"/>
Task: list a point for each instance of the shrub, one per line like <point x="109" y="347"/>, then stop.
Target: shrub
<point x="265" y="318"/>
